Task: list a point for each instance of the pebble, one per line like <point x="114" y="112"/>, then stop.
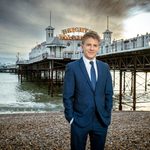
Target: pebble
<point x="50" y="131"/>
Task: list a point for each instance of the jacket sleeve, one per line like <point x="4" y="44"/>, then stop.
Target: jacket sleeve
<point x="68" y="93"/>
<point x="108" y="92"/>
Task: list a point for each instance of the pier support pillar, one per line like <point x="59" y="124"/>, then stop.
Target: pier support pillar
<point x="145" y="81"/>
<point x="51" y="81"/>
<point x="21" y="75"/>
<point x="56" y="76"/>
<point x="114" y="77"/>
<point x="134" y="85"/>
<point x="132" y="77"/>
<point x="124" y="82"/>
<point x="134" y="91"/>
<point x="120" y="91"/>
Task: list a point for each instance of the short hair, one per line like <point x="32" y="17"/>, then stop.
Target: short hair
<point x="91" y="34"/>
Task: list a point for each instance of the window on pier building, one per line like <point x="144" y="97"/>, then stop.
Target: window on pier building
<point x="79" y="44"/>
<point x="113" y="48"/>
<point x="134" y="43"/>
<point x="142" y="41"/>
<point x="60" y="52"/>
<point x="68" y="44"/>
<point x="126" y="45"/>
<point x="106" y="48"/>
<point x="50" y="34"/>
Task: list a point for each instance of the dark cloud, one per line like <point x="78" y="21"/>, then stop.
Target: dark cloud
<point x="23" y="22"/>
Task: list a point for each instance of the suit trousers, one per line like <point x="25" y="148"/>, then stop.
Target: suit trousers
<point x="97" y="133"/>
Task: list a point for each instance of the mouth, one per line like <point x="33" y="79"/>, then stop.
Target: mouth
<point x="92" y="53"/>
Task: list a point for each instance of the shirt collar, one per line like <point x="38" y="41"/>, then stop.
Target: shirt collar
<point x="87" y="61"/>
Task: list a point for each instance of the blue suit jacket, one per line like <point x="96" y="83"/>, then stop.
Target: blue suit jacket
<point x="78" y="93"/>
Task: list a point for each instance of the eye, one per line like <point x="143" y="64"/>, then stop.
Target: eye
<point x="89" y="44"/>
<point x="95" y="45"/>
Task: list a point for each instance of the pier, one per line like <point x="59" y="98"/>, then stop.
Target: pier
<point x="9" y="69"/>
<point x="52" y="70"/>
<point x="47" y="60"/>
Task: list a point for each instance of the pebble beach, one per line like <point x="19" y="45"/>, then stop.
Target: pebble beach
<point x="50" y="131"/>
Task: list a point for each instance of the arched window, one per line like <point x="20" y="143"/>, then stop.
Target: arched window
<point x="79" y="44"/>
<point x="68" y="44"/>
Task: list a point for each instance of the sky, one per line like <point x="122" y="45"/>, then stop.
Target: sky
<point x="23" y="22"/>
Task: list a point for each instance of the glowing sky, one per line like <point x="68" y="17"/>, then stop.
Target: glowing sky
<point x="23" y="22"/>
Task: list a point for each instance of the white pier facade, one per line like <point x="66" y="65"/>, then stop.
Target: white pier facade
<point x="69" y="46"/>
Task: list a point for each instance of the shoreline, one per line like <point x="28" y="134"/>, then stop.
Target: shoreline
<point x="50" y="130"/>
<point x="58" y="111"/>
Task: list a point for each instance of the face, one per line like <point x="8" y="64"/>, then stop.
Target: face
<point x="90" y="48"/>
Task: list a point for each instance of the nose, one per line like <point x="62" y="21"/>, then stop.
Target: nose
<point x="91" y="47"/>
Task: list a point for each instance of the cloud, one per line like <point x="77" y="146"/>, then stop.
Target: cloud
<point x="23" y="22"/>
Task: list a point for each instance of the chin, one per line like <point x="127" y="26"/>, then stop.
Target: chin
<point x="92" y="57"/>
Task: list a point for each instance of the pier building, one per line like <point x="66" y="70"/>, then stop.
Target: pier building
<point x="68" y="44"/>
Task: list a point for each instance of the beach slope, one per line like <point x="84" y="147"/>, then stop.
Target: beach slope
<point x="50" y="131"/>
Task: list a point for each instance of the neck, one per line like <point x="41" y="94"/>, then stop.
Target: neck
<point x="90" y="59"/>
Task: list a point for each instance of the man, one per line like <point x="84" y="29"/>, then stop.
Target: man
<point x="87" y="96"/>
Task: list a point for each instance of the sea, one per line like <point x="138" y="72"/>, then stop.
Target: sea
<point x="31" y="97"/>
<point x="17" y="97"/>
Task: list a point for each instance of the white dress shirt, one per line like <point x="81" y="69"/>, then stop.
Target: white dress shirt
<point x="88" y="66"/>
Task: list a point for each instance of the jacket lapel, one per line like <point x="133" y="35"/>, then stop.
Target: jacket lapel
<point x="84" y="71"/>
